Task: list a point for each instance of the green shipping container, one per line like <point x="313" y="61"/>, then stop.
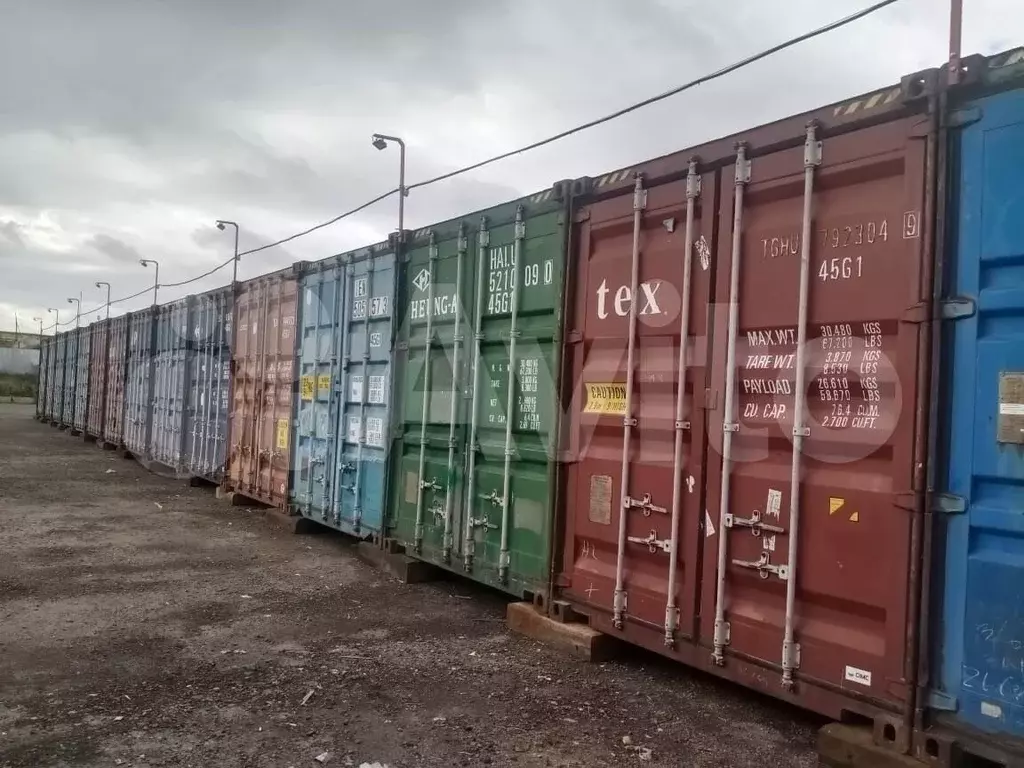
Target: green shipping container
<point x="482" y="306"/>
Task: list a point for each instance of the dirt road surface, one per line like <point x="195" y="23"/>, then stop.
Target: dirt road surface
<point x="144" y="623"/>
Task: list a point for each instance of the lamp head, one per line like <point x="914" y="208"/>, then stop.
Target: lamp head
<point x="378" y="142"/>
<point x="220" y="225"/>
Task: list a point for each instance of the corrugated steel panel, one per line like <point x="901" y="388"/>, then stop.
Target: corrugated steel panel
<point x="264" y="359"/>
<point x="209" y="401"/>
<point x="116" y="380"/>
<point x="173" y="349"/>
<point x="342" y="407"/>
<point x="477" y="388"/>
<point x="83" y="339"/>
<point x="981" y="622"/>
<point x="45" y="351"/>
<point x="67" y="414"/>
<point x="138" y="421"/>
<point x="98" y="335"/>
<point x="55" y="404"/>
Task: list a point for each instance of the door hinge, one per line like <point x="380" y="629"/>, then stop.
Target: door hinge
<point x="934" y="503"/>
<point x="942" y="701"/>
<point x="958" y="308"/>
<point x="961" y="118"/>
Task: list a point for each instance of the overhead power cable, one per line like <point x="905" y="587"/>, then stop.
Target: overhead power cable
<point x="830" y="27"/>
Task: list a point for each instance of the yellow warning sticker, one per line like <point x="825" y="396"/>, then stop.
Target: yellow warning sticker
<point x="855" y="517"/>
<point x="606" y="398"/>
<point x="835" y="504"/>
<point x="282" y="434"/>
<point x="306" y="387"/>
<point x="323" y="383"/>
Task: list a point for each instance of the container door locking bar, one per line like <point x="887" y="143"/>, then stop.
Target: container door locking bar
<point x="681" y="425"/>
<point x="469" y="542"/>
<point x="730" y="426"/>
<point x="425" y="406"/>
<point x="628" y="421"/>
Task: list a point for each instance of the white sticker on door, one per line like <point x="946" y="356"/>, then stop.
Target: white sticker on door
<point x="709" y="527"/>
<point x="355" y="389"/>
<point x="774" y="504"/>
<point x="376" y="396"/>
<point x="859" y="676"/>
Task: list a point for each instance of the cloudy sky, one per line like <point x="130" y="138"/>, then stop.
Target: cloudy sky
<point x="128" y="126"/>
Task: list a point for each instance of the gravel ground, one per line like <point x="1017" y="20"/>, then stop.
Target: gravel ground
<point x="144" y="623"/>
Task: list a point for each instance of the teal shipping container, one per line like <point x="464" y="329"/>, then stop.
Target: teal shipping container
<point x="342" y="411"/>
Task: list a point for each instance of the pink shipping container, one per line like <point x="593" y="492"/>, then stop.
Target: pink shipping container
<point x="262" y="380"/>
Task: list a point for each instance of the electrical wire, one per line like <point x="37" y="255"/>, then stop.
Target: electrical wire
<point x="199" y="277"/>
<point x="667" y="94"/>
<point x="830" y="27"/>
<point x="328" y="223"/>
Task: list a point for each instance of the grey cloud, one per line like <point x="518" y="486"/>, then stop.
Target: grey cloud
<point x="129" y="126"/>
<point x="115" y="249"/>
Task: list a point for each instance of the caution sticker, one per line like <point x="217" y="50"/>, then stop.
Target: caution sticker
<point x="323" y="383"/>
<point x="282" y="434"/>
<point x="835" y="504"/>
<point x="606" y="398"/>
<point x="306" y="387"/>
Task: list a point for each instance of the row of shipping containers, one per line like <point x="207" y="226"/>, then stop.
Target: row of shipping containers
<point x="757" y="406"/>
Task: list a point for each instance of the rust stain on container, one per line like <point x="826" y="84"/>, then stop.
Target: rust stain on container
<point x="97" y="377"/>
<point x="841" y="587"/>
<point x="263" y="360"/>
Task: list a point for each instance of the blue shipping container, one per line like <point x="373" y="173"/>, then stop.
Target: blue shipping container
<point x="209" y="387"/>
<point x="342" y="407"/>
<point x="981" y="660"/>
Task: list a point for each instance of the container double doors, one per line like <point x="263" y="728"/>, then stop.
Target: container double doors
<point x="981" y="659"/>
<point x="171" y="361"/>
<point x="117" y="360"/>
<point x="209" y="385"/>
<point x="83" y="345"/>
<point x="98" y="333"/>
<point x="342" y="425"/>
<point x="138" y="420"/>
<point x="478" y="415"/>
<point x="747" y="517"/>
<point x="264" y="356"/>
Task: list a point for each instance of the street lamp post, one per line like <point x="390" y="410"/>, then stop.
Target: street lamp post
<point x="56" y="320"/>
<point x="380" y="141"/>
<point x="156" y="277"/>
<point x="78" y="310"/>
<point x="221" y="224"/>
<point x="100" y="284"/>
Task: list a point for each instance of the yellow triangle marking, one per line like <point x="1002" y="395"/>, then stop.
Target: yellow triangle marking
<point x="855" y="517"/>
<point x="834" y="504"/>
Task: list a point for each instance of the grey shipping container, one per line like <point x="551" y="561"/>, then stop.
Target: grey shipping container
<point x="209" y="385"/>
<point x="170" y="374"/>
<point x="67" y="411"/>
<point x="55" y="400"/>
<point x="139" y="383"/>
<point x="117" y="350"/>
<point x="45" y="345"/>
<point x="83" y="344"/>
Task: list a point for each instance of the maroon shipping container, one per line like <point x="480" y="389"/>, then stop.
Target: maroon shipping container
<point x="97" y="378"/>
<point x="262" y="376"/>
<point x="789" y="565"/>
<point x="114" y="401"/>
